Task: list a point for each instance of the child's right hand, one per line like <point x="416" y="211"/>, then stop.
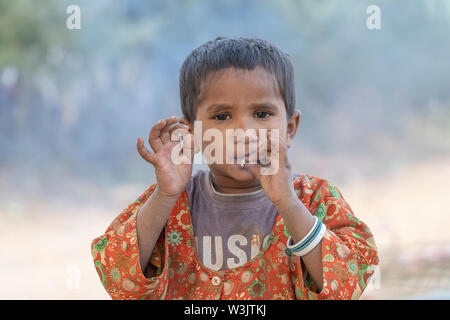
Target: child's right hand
<point x="172" y="178"/>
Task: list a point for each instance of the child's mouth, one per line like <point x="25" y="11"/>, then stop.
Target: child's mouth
<point x="246" y="158"/>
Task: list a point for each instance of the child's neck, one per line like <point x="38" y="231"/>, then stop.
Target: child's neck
<point x="228" y="185"/>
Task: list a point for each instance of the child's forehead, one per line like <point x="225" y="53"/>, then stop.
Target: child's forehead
<point x="234" y="84"/>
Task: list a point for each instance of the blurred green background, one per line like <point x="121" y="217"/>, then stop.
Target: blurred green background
<point x="375" y="122"/>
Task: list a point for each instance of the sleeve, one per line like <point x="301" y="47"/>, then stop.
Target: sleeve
<point x="116" y="258"/>
<point x="349" y="253"/>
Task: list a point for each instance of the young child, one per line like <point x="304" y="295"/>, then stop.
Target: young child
<point x="232" y="232"/>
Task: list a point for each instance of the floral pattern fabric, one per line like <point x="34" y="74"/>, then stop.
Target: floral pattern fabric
<point x="175" y="271"/>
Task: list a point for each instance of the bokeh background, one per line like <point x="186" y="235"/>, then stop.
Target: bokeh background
<point x="375" y="122"/>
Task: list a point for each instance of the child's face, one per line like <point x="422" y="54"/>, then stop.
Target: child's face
<point x="243" y="99"/>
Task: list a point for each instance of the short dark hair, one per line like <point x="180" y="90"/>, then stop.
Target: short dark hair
<point x="243" y="53"/>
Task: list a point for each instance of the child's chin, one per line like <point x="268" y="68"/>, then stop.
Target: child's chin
<point x="234" y="171"/>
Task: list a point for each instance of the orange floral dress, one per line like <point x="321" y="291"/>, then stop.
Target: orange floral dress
<point x="174" y="271"/>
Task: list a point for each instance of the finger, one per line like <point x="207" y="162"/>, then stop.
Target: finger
<point x="265" y="148"/>
<point x="189" y="146"/>
<point x="144" y="152"/>
<point x="154" y="138"/>
<point x="172" y="151"/>
<point x="180" y="156"/>
<point x="186" y="139"/>
<point x="263" y="156"/>
<point x="274" y="148"/>
<point x="266" y="142"/>
<point x="165" y="135"/>
<point x="279" y="151"/>
<point x="177" y="128"/>
<point x="279" y="155"/>
<point x="272" y="139"/>
<point x="283" y="150"/>
<point x="265" y="139"/>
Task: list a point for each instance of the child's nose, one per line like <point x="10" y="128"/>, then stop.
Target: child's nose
<point x="247" y="130"/>
<point x="246" y="136"/>
<point x="246" y="123"/>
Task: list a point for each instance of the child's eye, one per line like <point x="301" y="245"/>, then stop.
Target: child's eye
<point x="262" y="114"/>
<point x="221" y="117"/>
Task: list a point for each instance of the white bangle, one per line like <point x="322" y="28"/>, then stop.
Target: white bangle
<point x="308" y="242"/>
<point x="291" y="246"/>
<point x="313" y="243"/>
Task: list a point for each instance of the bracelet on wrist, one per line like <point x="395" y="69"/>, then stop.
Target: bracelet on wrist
<point x="310" y="241"/>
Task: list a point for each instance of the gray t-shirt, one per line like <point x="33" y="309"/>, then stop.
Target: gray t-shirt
<point x="229" y="229"/>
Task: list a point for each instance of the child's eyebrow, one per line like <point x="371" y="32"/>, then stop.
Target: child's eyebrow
<point x="218" y="107"/>
<point x="222" y="107"/>
<point x="267" y="106"/>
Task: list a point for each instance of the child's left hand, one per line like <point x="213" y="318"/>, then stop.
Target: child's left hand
<point x="278" y="187"/>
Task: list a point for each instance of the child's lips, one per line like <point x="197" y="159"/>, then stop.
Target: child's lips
<point x="249" y="160"/>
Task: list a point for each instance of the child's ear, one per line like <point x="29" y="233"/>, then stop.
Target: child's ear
<point x="292" y="126"/>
